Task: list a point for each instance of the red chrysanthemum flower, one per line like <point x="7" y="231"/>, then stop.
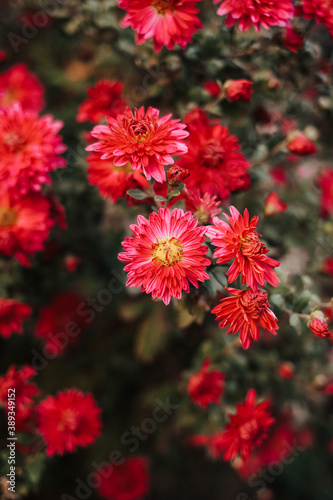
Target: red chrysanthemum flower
<point x="245" y="311"/>
<point x="12" y="315"/>
<point x="318" y="324"/>
<point x="29" y="150"/>
<point x="114" y="182"/>
<point x="24" y="225"/>
<point x="206" y="386"/>
<point x="213" y="159"/>
<point x="55" y="318"/>
<point x="238" y="240"/>
<point x="292" y="39"/>
<point x="325" y="182"/>
<point x="25" y="390"/>
<point x="128" y="481"/>
<point x="165" y="254"/>
<point x="302" y="146"/>
<point x="103" y="100"/>
<point x="321" y="10"/>
<point x="18" y="85"/>
<point x="69" y="420"/>
<point x="141" y="139"/>
<point x="202" y="207"/>
<point x="239" y="90"/>
<point x="168" y="22"/>
<point x="256" y="13"/>
<point x="273" y="205"/>
<point x="247" y="429"/>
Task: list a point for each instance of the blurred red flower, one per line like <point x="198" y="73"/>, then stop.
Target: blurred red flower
<point x="128" y="481"/>
<point x="239" y="90"/>
<point x="318" y="324"/>
<point x="302" y="146"/>
<point x="273" y="205"/>
<point x="104" y="99"/>
<point x="68" y="420"/>
<point x="325" y="182"/>
<point x="202" y="207"/>
<point x="292" y="39"/>
<point x="320" y="10"/>
<point x="18" y="85"/>
<point x="212" y="88"/>
<point x="12" y="315"/>
<point x="206" y="386"/>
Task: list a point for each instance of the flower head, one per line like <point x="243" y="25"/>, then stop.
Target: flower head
<point x="141" y="139"/>
<point x="325" y="182"/>
<point x="29" y="150"/>
<point x="24" y="225"/>
<point x="247" y="429"/>
<point x="203" y="207"/>
<point x="256" y="13"/>
<point x="318" y="324"/>
<point x="212" y="87"/>
<point x="128" y="481"/>
<point x="206" y="386"/>
<point x="165" y="254"/>
<point x="114" y="182"/>
<point x="302" y="146"/>
<point x="213" y="159"/>
<point x="273" y="205"/>
<point x="238" y="240"/>
<point x="103" y="100"/>
<point x="68" y="420"/>
<point x="292" y="39"/>
<point x="246" y="310"/>
<point x="176" y="175"/>
<point x="12" y="315"/>
<point x="18" y="85"/>
<point x="239" y="90"/>
<point x="320" y="10"/>
<point x="168" y="22"/>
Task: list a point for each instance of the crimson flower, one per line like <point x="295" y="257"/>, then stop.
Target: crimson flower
<point x="18" y="85"/>
<point x="256" y="13"/>
<point x="128" y="481"/>
<point x="320" y="10"/>
<point x="12" y="315"/>
<point x="165" y="254"/>
<point x="206" y="386"/>
<point x="318" y="324"/>
<point x="292" y="39"/>
<point x="245" y="311"/>
<point x="141" y="139"/>
<point x="273" y="205"/>
<point x="238" y="240"/>
<point x="302" y="146"/>
<point x="239" y="90"/>
<point x="203" y="207"/>
<point x="168" y="22"/>
<point x="325" y="182"/>
<point x="103" y="100"/>
<point x="29" y="150"/>
<point x="68" y="420"/>
<point x="213" y="158"/>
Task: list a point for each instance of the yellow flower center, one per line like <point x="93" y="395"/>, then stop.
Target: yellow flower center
<point x="163" y="6"/>
<point x="167" y="252"/>
<point x="7" y="217"/>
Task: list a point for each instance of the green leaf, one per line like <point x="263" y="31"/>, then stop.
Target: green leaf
<point x="25" y="439"/>
<point x="35" y="468"/>
<point x="137" y="194"/>
<point x="152" y="334"/>
<point x="177" y="191"/>
<point x="157" y="197"/>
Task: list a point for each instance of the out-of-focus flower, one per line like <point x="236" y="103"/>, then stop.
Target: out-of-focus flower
<point x="320" y="10"/>
<point x="18" y="85"/>
<point x="292" y="39"/>
<point x="325" y="182"/>
<point x="167" y="22"/>
<point x="25" y="225"/>
<point x="213" y="159"/>
<point x="128" y="481"/>
<point x="278" y="174"/>
<point x="12" y="315"/>
<point x="318" y="324"/>
<point x="165" y="254"/>
<point x="286" y="370"/>
<point x="239" y="240"/>
<point x="328" y="266"/>
<point x="212" y="88"/>
<point x="104" y="99"/>
<point x="114" y="182"/>
<point x="239" y="90"/>
<point x="206" y="386"/>
<point x="302" y="146"/>
<point x="68" y="420"/>
<point x="141" y="139"/>
<point x="72" y="262"/>
<point x="29" y="150"/>
<point x="3" y="55"/>
<point x="176" y="175"/>
<point x="273" y="205"/>
<point x="245" y="311"/>
<point x="202" y="207"/>
<point x="256" y="13"/>
<point x="59" y="323"/>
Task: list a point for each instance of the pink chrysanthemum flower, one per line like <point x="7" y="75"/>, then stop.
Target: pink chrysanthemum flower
<point x="166" y="21"/>
<point x="18" y="85"/>
<point x="256" y="13"/>
<point x="141" y="139"/>
<point x="29" y="150"/>
<point x="103" y="99"/>
<point x="12" y="315"/>
<point x="238" y="240"/>
<point x="68" y="420"/>
<point x="165" y="254"/>
<point x="245" y="311"/>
